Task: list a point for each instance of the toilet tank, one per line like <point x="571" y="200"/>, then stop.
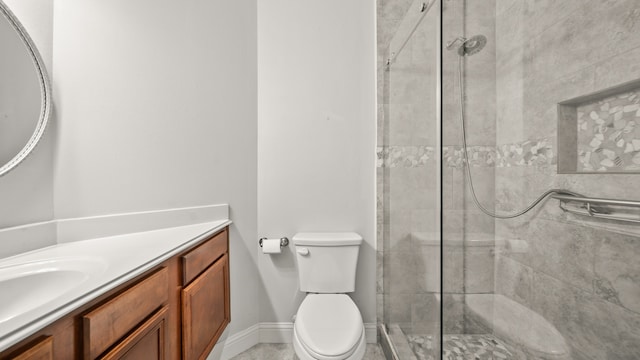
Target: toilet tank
<point x="327" y="262"/>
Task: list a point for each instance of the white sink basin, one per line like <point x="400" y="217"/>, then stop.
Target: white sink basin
<point x="27" y="286"/>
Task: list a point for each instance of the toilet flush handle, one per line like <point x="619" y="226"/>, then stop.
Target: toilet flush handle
<point x="303" y="251"/>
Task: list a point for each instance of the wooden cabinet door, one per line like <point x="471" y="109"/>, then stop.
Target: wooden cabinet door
<point x="205" y="310"/>
<point x="146" y="342"/>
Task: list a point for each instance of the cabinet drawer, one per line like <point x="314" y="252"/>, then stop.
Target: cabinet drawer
<point x="43" y="350"/>
<point x="198" y="259"/>
<point x="205" y="310"/>
<point x="108" y="323"/>
<point x="146" y="342"/>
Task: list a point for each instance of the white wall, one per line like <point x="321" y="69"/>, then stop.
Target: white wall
<point x="27" y="191"/>
<point x="157" y="108"/>
<point x="316" y="137"/>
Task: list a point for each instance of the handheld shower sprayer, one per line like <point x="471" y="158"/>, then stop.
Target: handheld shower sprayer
<point x="471" y="46"/>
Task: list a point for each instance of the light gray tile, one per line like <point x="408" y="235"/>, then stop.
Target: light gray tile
<point x="393" y="9"/>
<point x="285" y="351"/>
<point x="398" y="308"/>
<point x="484" y="185"/>
<point x="400" y="121"/>
<point x="428" y="266"/>
<point x="385" y="31"/>
<point x="478" y="224"/>
<point x="379" y="272"/>
<point x="618" y="270"/>
<point x="540" y="15"/>
<point x="425" y="316"/>
<point x="400" y="231"/>
<point x="510" y="189"/>
<point x="425" y="221"/>
<point x="564" y="251"/>
<point x="380" y="308"/>
<point x="514" y="280"/>
<point x="374" y="352"/>
<point x="268" y="352"/>
<point x="412" y="188"/>
<point x="452" y="269"/>
<point x="510" y="47"/>
<point x="618" y="69"/>
<point x="452" y="225"/>
<point x="400" y="271"/>
<point x="590" y="325"/>
<point x="453" y="314"/>
<point x="479" y="270"/>
<point x="568" y="46"/>
<point x="542" y="95"/>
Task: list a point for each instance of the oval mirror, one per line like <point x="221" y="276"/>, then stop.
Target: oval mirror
<point x="25" y="95"/>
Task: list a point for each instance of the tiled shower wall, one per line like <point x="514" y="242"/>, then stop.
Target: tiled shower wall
<point x="582" y="275"/>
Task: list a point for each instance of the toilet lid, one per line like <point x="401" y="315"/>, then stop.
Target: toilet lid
<point x="329" y="324"/>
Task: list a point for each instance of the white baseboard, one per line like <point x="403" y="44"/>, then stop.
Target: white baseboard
<point x="241" y="341"/>
<point x="371" y="333"/>
<point x="276" y="332"/>
<point x="273" y="333"/>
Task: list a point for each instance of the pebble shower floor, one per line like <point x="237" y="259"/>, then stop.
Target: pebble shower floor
<point x="461" y="347"/>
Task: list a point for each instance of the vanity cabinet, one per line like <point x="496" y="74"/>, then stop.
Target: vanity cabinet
<point x="205" y="297"/>
<point x="176" y="310"/>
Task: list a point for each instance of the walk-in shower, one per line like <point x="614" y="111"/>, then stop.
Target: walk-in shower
<point x="506" y="129"/>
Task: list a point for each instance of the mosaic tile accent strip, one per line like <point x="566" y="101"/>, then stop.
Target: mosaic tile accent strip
<point x="461" y="347"/>
<point x="479" y="156"/>
<point x="609" y="134"/>
<point x="404" y="156"/>
<point x="528" y="153"/>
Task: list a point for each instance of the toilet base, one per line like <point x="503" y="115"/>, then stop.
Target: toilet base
<point x="358" y="354"/>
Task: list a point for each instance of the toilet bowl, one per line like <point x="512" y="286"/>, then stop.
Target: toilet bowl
<point x="329" y="327"/>
<point x="328" y="324"/>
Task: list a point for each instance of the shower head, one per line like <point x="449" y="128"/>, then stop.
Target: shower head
<point x="470" y="46"/>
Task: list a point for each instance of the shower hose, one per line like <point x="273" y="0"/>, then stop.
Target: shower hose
<point x="467" y="165"/>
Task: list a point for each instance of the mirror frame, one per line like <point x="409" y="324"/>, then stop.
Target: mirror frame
<point x="45" y="91"/>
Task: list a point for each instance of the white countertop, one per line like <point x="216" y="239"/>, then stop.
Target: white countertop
<point x="120" y="258"/>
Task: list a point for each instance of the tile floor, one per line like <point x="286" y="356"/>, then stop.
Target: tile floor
<point x="285" y="352"/>
<point x="457" y="347"/>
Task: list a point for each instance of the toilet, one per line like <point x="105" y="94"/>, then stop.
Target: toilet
<point x="328" y="324"/>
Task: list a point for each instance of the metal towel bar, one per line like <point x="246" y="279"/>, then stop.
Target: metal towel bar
<point x="600" y="207"/>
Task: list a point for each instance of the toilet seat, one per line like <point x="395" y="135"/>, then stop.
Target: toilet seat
<point x="329" y="326"/>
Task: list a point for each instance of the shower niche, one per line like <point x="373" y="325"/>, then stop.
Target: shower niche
<point x="600" y="132"/>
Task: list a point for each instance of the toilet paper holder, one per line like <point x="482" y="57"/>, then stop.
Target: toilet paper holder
<point x="283" y="241"/>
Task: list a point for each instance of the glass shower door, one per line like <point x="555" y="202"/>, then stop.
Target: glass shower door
<point x="409" y="179"/>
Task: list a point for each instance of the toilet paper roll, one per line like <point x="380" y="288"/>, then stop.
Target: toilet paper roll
<point x="271" y="246"/>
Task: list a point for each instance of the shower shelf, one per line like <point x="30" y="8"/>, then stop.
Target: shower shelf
<point x="610" y="209"/>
